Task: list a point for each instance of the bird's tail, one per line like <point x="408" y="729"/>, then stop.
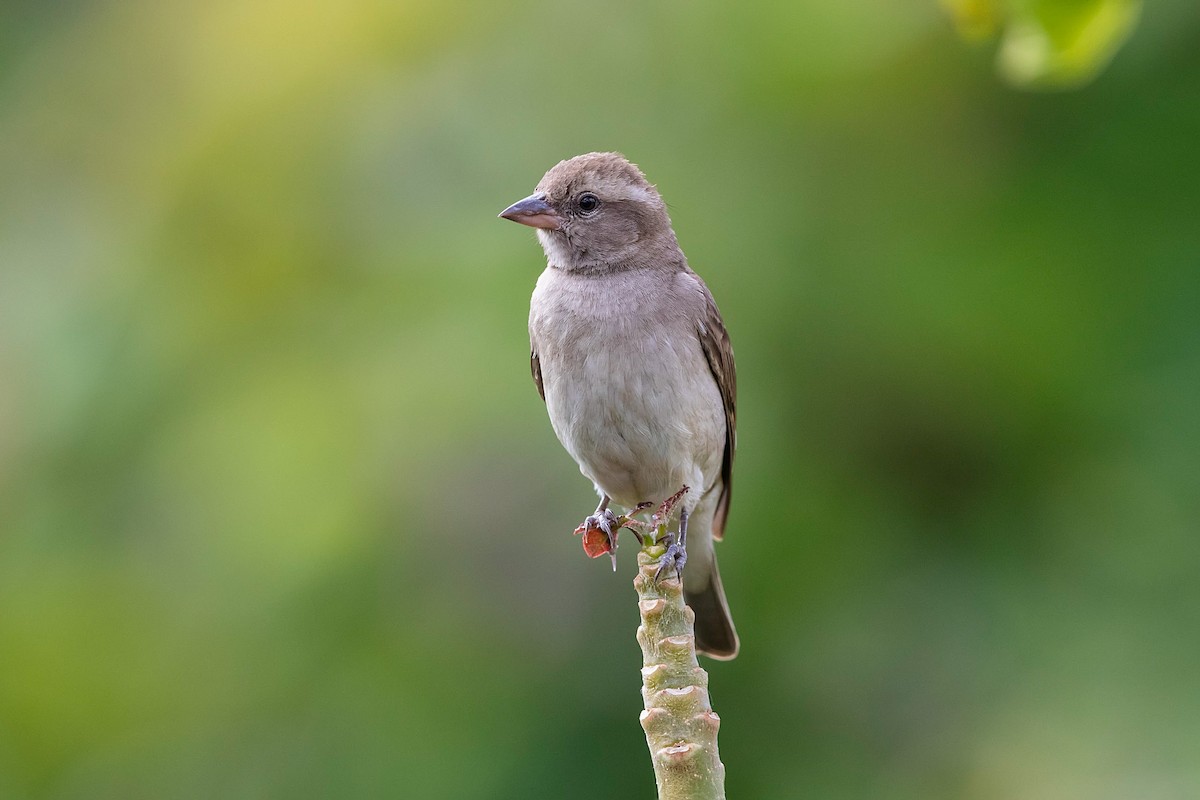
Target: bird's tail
<point x="715" y="635"/>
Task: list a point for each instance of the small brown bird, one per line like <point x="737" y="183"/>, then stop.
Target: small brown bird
<point x="634" y="364"/>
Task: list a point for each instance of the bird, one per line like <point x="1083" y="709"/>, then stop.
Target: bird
<point x="633" y="361"/>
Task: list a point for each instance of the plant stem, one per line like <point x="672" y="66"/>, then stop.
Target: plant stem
<point x="681" y="728"/>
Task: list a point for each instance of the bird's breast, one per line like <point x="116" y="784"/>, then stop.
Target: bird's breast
<point x="628" y="388"/>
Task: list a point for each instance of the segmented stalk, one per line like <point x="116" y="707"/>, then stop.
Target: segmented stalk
<point x="681" y="728"/>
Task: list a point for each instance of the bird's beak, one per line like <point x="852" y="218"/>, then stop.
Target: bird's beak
<point x="535" y="212"/>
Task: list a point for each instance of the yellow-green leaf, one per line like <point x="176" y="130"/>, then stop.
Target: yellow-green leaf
<point x="975" y="19"/>
<point x="1063" y="43"/>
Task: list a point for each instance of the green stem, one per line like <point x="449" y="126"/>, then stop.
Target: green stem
<point x="681" y="728"/>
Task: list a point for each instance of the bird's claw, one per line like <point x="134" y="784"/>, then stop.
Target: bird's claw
<point x="674" y="558"/>
<point x="600" y="534"/>
<point x="606" y="522"/>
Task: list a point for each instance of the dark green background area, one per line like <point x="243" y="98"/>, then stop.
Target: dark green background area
<point x="280" y="511"/>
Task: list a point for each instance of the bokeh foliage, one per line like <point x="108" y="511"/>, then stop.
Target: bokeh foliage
<point x="280" y="512"/>
<point x="1049" y="44"/>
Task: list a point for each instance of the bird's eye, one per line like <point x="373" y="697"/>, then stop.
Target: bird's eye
<point x="588" y="202"/>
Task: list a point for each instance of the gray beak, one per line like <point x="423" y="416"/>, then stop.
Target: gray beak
<point x="535" y="212"/>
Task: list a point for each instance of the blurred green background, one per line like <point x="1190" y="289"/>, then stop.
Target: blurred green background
<point x="281" y="515"/>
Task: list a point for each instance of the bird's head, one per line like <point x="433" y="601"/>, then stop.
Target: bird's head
<point x="597" y="212"/>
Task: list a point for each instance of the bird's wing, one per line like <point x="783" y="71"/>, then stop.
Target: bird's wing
<point x="535" y="366"/>
<point x="717" y="348"/>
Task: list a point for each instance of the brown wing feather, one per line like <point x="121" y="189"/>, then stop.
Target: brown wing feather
<point x="535" y="366"/>
<point x="715" y="341"/>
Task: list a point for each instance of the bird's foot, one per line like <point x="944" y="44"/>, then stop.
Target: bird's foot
<point x="673" y="559"/>
<point x="600" y="531"/>
<point x="600" y="534"/>
<point x="676" y="554"/>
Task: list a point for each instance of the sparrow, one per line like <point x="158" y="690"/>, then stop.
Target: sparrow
<point x="632" y="359"/>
